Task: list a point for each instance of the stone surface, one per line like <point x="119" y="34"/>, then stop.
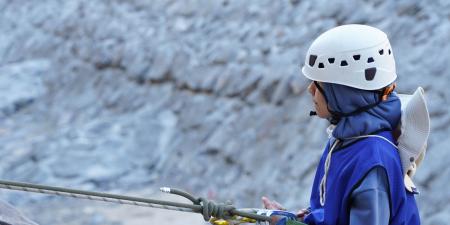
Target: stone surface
<point x="203" y="95"/>
<point x="10" y="215"/>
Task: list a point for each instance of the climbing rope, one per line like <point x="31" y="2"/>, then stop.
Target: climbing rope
<point x="207" y="208"/>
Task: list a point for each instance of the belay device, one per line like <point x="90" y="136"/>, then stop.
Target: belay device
<point x="215" y="213"/>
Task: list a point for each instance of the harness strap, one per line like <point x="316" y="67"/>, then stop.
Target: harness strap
<point x="374" y="135"/>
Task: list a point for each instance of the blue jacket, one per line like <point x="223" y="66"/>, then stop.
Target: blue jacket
<point x="349" y="165"/>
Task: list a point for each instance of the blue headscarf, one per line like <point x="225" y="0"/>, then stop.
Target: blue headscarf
<point x="345" y="99"/>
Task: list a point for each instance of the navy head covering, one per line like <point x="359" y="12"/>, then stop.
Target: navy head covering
<point x="345" y="99"/>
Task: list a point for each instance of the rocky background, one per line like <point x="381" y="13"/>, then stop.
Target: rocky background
<point x="127" y="96"/>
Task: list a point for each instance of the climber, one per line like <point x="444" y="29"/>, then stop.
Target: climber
<point x="374" y="145"/>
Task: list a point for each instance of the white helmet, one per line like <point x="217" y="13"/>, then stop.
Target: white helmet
<point x="354" y="55"/>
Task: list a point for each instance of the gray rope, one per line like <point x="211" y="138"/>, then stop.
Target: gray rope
<point x="104" y="197"/>
<point x="323" y="182"/>
<point x="201" y="205"/>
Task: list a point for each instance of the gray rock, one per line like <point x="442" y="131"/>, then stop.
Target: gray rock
<point x="197" y="94"/>
<point x="21" y="84"/>
<point x="250" y="82"/>
<point x="10" y="215"/>
<point x="281" y="92"/>
<point x="161" y="63"/>
<point x="222" y="53"/>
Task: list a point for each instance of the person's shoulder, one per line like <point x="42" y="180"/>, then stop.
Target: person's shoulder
<point x="381" y="147"/>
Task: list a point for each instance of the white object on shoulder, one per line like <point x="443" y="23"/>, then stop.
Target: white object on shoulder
<point x="415" y="129"/>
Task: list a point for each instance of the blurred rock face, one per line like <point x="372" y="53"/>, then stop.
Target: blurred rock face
<point x="203" y="95"/>
<point x="10" y="216"/>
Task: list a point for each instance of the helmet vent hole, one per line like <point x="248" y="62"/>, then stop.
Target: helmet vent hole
<point x="344" y="63"/>
<point x="370" y="60"/>
<point x="356" y="57"/>
<point x="381" y="51"/>
<point x="389" y="51"/>
<point x="331" y="60"/>
<point x="312" y="60"/>
<point x="370" y="73"/>
<point x="321" y="65"/>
